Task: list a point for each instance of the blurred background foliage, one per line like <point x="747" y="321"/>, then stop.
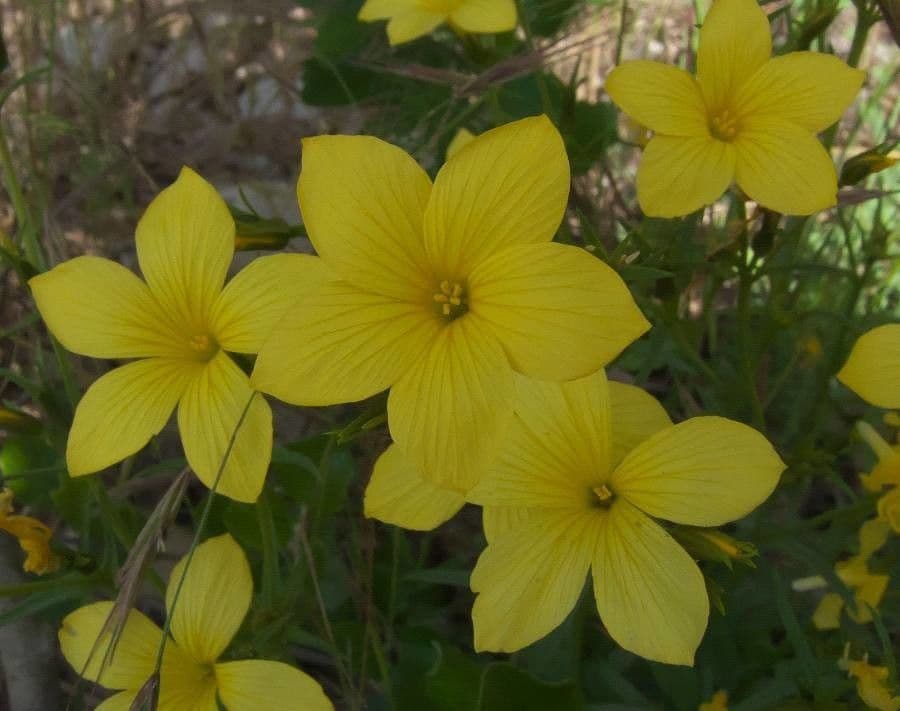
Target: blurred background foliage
<point x="752" y="314"/>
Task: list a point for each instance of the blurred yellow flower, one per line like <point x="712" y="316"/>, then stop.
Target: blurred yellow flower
<point x="399" y="495"/>
<point x="411" y="19"/>
<point x="180" y="323"/>
<point x="871" y="684"/>
<point x="562" y="500"/>
<point x="440" y="292"/>
<point x="719" y="702"/>
<point x="213" y="602"/>
<point x="873" y="369"/>
<point x="868" y="588"/>
<point x="33" y="536"/>
<point x="747" y="118"/>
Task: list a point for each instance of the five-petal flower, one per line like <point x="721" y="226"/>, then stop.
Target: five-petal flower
<point x="411" y="19"/>
<point x="560" y="500"/>
<point x="440" y="292"/>
<point x="213" y="602"/>
<point x="747" y="118"/>
<point x="180" y="323"/>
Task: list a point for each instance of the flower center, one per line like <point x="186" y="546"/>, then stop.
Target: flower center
<point x="603" y="496"/>
<point x="450" y="299"/>
<point x="203" y="346"/>
<point x="724" y="125"/>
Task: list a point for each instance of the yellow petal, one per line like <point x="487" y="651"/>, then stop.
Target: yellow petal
<point x="559" y="312"/>
<point x="185" y="242"/>
<point x="702" y="472"/>
<point x="528" y="581"/>
<point x="461" y="139"/>
<point x="650" y="593"/>
<point x="827" y="615"/>
<point x="118" y="702"/>
<point x="383" y="9"/>
<point x="509" y="187"/>
<point x="190" y="689"/>
<point x="412" y="24"/>
<point x="214" y="598"/>
<point x="208" y="415"/>
<point x="868" y="596"/>
<point x="556" y="448"/>
<point x="784" y="167"/>
<point x="636" y="415"/>
<point x="485" y="16"/>
<point x="808" y="89"/>
<point x="398" y="494"/>
<point x="735" y="41"/>
<point x="362" y="202"/>
<point x="261" y="293"/>
<point x="873" y="369"/>
<point x="123" y="409"/>
<point x="678" y="175"/>
<point x="873" y="534"/>
<point x="342" y="344"/>
<point x="256" y="684"/>
<point x="497" y="520"/>
<point x="448" y="412"/>
<point x="661" y="97"/>
<point x="134" y="658"/>
<point x="889" y="508"/>
<point x="98" y="308"/>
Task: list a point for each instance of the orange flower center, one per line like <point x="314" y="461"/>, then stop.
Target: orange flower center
<point x="450" y="299"/>
<point x="203" y="346"/>
<point x="723" y="125"/>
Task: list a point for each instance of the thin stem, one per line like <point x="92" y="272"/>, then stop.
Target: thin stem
<point x="196" y="541"/>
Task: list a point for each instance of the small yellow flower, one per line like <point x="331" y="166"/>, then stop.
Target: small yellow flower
<point x="746" y="118"/>
<point x="441" y="292"/>
<point x="398" y="494"/>
<point x="180" y="324"/>
<point x="873" y="369"/>
<point x="887" y="470"/>
<point x="719" y="702"/>
<point x="411" y="19"/>
<point x="562" y="500"/>
<point x="871" y="684"/>
<point x="33" y="536"/>
<point x="213" y="602"/>
<point x="889" y="508"/>
<point x="868" y="588"/>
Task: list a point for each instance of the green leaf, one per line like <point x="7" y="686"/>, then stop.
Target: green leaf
<point x="505" y="688"/>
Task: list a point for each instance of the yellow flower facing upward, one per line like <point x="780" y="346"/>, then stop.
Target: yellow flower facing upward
<point x="747" y="118"/>
<point x="33" y="536"/>
<point x="868" y="588"/>
<point x="441" y="292"/>
<point x="560" y="500"/>
<point x="180" y="323"/>
<point x="411" y="19"/>
<point x="398" y="494"/>
<point x="719" y="702"/>
<point x="873" y="369"/>
<point x="212" y="605"/>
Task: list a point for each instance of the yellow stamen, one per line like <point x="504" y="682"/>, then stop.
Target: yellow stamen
<point x="451" y="295"/>
<point x="603" y="493"/>
<point x="203" y="345"/>
<point x="723" y="125"/>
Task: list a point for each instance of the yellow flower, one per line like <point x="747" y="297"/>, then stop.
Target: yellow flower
<point x="873" y="369"/>
<point x="398" y="494"/>
<point x="411" y="19"/>
<point x="34" y="537"/>
<point x="213" y="602"/>
<point x="180" y="323"/>
<point x="746" y="118"/>
<point x="889" y="508"/>
<point x="440" y="292"/>
<point x="868" y="588"/>
<point x="462" y="139"/>
<point x="887" y="470"/>
<point x="871" y="685"/>
<point x="719" y="702"/>
<point x="563" y="501"/>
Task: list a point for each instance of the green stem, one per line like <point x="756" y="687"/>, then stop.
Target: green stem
<point x="270" y="572"/>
